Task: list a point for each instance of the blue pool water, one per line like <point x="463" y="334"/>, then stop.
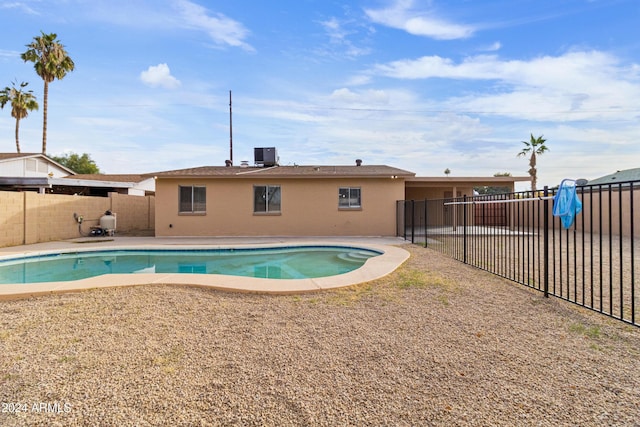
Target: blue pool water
<point x="297" y="262"/>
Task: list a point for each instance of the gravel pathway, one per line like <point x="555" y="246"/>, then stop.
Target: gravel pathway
<point x="434" y="343"/>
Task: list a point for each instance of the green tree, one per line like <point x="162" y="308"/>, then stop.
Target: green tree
<point x="51" y="62"/>
<point x="533" y="147"/>
<point x="494" y="190"/>
<point x="22" y="101"/>
<point x="77" y="163"/>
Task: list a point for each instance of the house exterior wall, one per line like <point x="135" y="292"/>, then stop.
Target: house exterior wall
<point x="29" y="217"/>
<point x="309" y="207"/>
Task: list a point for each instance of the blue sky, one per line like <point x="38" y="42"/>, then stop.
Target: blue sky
<point x="422" y="85"/>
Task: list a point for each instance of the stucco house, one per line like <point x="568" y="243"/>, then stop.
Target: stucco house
<point x="276" y="200"/>
<point x="272" y="200"/>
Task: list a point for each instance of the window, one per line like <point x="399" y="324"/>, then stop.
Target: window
<point x="193" y="199"/>
<point x="266" y="199"/>
<point x="349" y="198"/>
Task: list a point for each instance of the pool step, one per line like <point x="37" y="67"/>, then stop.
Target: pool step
<point x="354" y="256"/>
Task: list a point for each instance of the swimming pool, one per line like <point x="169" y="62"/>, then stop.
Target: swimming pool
<point x="390" y="256"/>
<point x="296" y="262"/>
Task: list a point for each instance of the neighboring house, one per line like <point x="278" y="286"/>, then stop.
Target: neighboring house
<point x="617" y="177"/>
<point x="37" y="172"/>
<point x="31" y="165"/>
<point x="131" y="184"/>
<point x="279" y="201"/>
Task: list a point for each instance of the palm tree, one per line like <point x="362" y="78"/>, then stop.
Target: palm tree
<point x="21" y="103"/>
<point x="51" y="62"/>
<point x="535" y="147"/>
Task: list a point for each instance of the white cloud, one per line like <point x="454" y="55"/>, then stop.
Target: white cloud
<point x="334" y="29"/>
<point x="164" y="16"/>
<point x="559" y="69"/>
<point x="359" y="80"/>
<point x="340" y="34"/>
<point x="9" y="54"/>
<point x="222" y="29"/>
<point x="577" y="84"/>
<point x="401" y="15"/>
<point x="159" y="76"/>
<point x="19" y="5"/>
<point x="368" y="97"/>
<point x="492" y="48"/>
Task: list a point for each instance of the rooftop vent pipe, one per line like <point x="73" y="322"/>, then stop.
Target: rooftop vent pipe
<point x="358" y="162"/>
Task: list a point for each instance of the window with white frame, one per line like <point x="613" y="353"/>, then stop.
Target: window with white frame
<point x="193" y="199"/>
<point x="266" y="198"/>
<point x="349" y="198"/>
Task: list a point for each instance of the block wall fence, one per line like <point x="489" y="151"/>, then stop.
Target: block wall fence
<point x="29" y="217"/>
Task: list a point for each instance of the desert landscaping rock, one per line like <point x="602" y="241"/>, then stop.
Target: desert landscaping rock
<point x="434" y="343"/>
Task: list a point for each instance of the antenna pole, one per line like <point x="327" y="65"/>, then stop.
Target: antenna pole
<point x="230" y="131"/>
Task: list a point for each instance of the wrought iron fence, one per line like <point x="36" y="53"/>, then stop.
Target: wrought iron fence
<point x="593" y="263"/>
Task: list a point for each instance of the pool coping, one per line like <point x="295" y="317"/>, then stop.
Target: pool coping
<point x="374" y="268"/>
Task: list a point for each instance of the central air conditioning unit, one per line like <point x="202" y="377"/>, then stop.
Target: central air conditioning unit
<point x="266" y="156"/>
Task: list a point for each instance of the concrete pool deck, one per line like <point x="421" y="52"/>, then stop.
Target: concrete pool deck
<point x="374" y="268"/>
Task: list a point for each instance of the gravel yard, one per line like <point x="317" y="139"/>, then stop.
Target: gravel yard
<point x="434" y="343"/>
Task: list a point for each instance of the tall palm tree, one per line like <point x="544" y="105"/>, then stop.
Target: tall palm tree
<point x="535" y="147"/>
<point x="51" y="62"/>
<point x="22" y="101"/>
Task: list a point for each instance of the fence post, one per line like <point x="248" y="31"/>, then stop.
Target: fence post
<point x="425" y="223"/>
<point x="631" y="237"/>
<point x="464" y="229"/>
<point x="546" y="240"/>
<point x="404" y="219"/>
<point x="413" y="221"/>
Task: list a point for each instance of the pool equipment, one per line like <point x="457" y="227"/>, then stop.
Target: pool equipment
<point x="107" y="225"/>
